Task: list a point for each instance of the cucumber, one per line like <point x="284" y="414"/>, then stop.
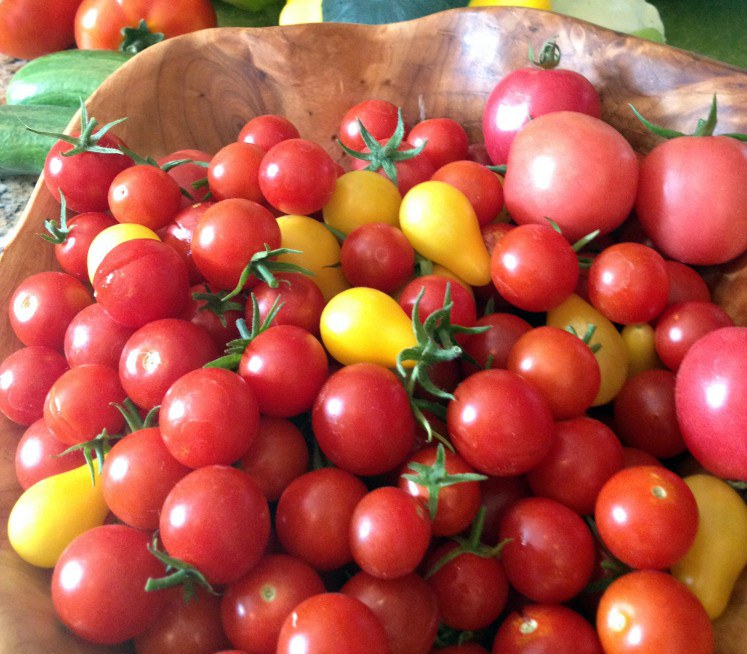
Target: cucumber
<point x="63" y="77"/>
<point x="21" y="151"/>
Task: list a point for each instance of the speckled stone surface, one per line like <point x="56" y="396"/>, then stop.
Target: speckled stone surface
<point x="14" y="190"/>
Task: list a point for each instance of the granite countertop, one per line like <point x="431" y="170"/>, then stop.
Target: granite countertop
<point x="14" y="191"/>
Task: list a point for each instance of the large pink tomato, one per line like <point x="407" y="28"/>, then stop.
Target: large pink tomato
<point x="710" y="396"/>
<point x="574" y="169"/>
<point x="686" y="214"/>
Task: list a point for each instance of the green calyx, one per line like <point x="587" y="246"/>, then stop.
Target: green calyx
<point x="89" y="137"/>
<point x="434" y="477"/>
<point x="435" y="344"/>
<point x="470" y="545"/>
<point x="136" y="39"/>
<point x="704" y="127"/>
<point x="179" y="573"/>
<point x="216" y="303"/>
<point x="385" y="156"/>
<point x="548" y="57"/>
<point x="235" y="348"/>
<point x="57" y="233"/>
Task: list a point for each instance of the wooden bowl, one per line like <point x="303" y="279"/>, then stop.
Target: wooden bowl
<point x="198" y="90"/>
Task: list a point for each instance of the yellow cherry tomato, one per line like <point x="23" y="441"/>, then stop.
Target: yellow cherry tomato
<point x="639" y="340"/>
<point x="363" y="324"/>
<point x="360" y="197"/>
<point x="533" y="4"/>
<point x="718" y="555"/>
<point x="441" y="224"/>
<point x="320" y="252"/>
<point x="109" y="238"/>
<point x="52" y="512"/>
<point x="612" y="355"/>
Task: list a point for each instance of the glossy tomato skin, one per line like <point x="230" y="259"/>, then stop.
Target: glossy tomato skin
<point x="29" y="29"/>
<point x="443" y="139"/>
<point x="209" y="416"/>
<point x="254" y="607"/>
<point x="650" y="611"/>
<point x="332" y="623"/>
<point x="709" y="397"/>
<point x="84" y="178"/>
<point x="266" y="130"/>
<point x="534" y="267"/>
<point x="685" y="222"/>
<point x="301" y="301"/>
<point x="406" y="607"/>
<point x="379" y="117"/>
<point x="192" y="627"/>
<point x="434" y="288"/>
<point x="158" y="353"/>
<point x="312" y="519"/>
<point x="234" y="172"/>
<point x="26" y="375"/>
<point x="179" y="232"/>
<point x="145" y="195"/>
<point x="286" y="367"/>
<point x="646" y="516"/>
<point x="98" y="23"/>
<point x="297" y="176"/>
<point x="490" y="349"/>
<point x="94" y="337"/>
<point x="584" y="455"/>
<point x="224" y="545"/>
<point x="43" y="305"/>
<point x="471" y="590"/>
<point x="81" y="403"/>
<point x="482" y="187"/>
<point x="628" y="283"/>
<point x="500" y="423"/>
<point x="226" y="237"/>
<point x="551" y="554"/>
<point x="138" y="474"/>
<point x="140" y="281"/>
<point x="377" y="255"/>
<point x="457" y="503"/>
<point x="526" y="93"/>
<point x="645" y="414"/>
<point x="546" y="629"/>
<point x="98" y="584"/>
<point x="278" y="455"/>
<point x="186" y="174"/>
<point x="560" y="365"/>
<point x="681" y="324"/>
<point x="362" y="419"/>
<point x="390" y="531"/>
<point x="551" y="163"/>
<point x="38" y="455"/>
<point x="72" y="253"/>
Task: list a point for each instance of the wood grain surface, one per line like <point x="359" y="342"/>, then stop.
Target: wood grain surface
<point x="198" y="90"/>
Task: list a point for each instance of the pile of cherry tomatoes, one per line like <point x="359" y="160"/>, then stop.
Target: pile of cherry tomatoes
<point x="400" y="406"/>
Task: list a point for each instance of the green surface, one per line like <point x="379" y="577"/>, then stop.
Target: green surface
<point x="717" y="28"/>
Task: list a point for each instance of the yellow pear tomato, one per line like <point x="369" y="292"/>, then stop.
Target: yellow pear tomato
<point x="718" y="555"/>
<point x="360" y="197"/>
<point x="296" y="12"/>
<point x="441" y="224"/>
<point x="363" y="324"/>
<point x="320" y="252"/>
<point x="52" y="512"/>
<point x="612" y="354"/>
